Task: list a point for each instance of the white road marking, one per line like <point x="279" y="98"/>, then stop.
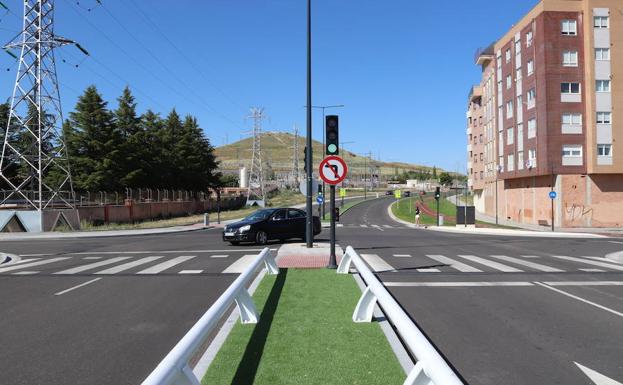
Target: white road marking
<point x="38" y="263"/>
<point x="590" y="262"/>
<point x="190" y="272"/>
<point x="491" y="264"/>
<point x="92" y="258"/>
<point x="378" y="227"/>
<point x="26" y="273"/>
<point x="20" y="261"/>
<point x="363" y="225"/>
<point x="90" y="266"/>
<point x="428" y="270"/>
<point x="456" y="284"/>
<point x="529" y="256"/>
<point x="77" y="287"/>
<point x="602" y="259"/>
<point x="155" y="269"/>
<point x="580" y="299"/>
<point x="536" y="266"/>
<point x="460" y="266"/>
<point x="377" y="263"/>
<point x="584" y="283"/>
<point x="219" y="256"/>
<point x="616" y="242"/>
<point x="596" y="377"/>
<point x="589" y="270"/>
<point x="240" y="264"/>
<point x="127" y="266"/>
<point x="388" y="226"/>
<point x="152" y="252"/>
<point x="402" y="255"/>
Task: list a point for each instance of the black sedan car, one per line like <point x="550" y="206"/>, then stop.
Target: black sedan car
<point x="266" y="224"/>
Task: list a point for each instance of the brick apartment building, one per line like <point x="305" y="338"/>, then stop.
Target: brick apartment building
<point x="548" y="115"/>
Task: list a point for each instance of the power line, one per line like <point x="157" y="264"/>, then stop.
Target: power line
<point x="155" y="27"/>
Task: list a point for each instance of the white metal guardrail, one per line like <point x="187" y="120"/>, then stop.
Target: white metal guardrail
<point x="174" y="368"/>
<point x="431" y="368"/>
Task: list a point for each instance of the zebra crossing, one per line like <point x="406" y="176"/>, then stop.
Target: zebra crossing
<point x="464" y="263"/>
<point x="139" y="264"/>
<point x="372" y="226"/>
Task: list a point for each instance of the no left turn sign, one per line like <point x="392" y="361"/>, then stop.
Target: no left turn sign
<point x="333" y="170"/>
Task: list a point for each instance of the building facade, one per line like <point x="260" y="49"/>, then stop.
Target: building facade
<point x="551" y="102"/>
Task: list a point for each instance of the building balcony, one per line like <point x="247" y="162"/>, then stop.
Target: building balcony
<point x="484" y="55"/>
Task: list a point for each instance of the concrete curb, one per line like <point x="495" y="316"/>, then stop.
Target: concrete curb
<point x="499" y="232"/>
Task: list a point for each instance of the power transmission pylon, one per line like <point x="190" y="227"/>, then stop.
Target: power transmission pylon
<point x="256" y="173"/>
<point x="295" y="158"/>
<point x="34" y="169"/>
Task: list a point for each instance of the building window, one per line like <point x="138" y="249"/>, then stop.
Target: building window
<point x="511" y="162"/>
<point x="481" y="156"/>
<point x="604" y="117"/>
<point x="509" y="110"/>
<point x="602" y="53"/>
<point x="499" y="62"/>
<point x="529" y="39"/>
<point x="509" y="81"/>
<point x="509" y="135"/>
<point x="531" y="98"/>
<point x="603" y="86"/>
<point x="531" y="158"/>
<point x="518" y="75"/>
<point x="570" y="58"/>
<point x="508" y="55"/>
<point x="570" y="88"/>
<point x="571" y="123"/>
<point x="569" y="27"/>
<point x="480" y="138"/>
<point x="520" y="160"/>
<point x="601" y="21"/>
<point x="572" y="151"/>
<point x="604" y="150"/>
<point x="531" y="128"/>
<point x="530" y="67"/>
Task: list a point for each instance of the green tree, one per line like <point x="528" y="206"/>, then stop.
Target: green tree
<point x="195" y="158"/>
<point x="156" y="154"/>
<point x="445" y="179"/>
<point x="94" y="144"/>
<point x="434" y="172"/>
<point x="133" y="150"/>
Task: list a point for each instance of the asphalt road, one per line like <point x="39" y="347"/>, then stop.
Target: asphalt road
<point x="503" y="310"/>
<point x="140" y="295"/>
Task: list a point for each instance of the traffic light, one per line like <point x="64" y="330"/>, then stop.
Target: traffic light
<point x="437" y="192"/>
<point x="332" y="137"/>
<point x="336" y="214"/>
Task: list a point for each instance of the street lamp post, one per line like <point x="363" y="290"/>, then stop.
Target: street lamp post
<point x="309" y="225"/>
<point x="324" y="132"/>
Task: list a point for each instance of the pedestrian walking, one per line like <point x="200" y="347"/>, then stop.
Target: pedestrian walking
<point x="417" y="215"/>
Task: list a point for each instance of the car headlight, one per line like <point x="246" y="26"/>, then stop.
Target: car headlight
<point x="225" y="229"/>
<point x="245" y="228"/>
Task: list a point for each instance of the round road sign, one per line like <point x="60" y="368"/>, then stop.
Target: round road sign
<point x="333" y="170"/>
<point x="552" y="194"/>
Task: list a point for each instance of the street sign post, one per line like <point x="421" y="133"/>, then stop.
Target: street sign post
<point x="319" y="199"/>
<point x="552" y="196"/>
<point x="333" y="171"/>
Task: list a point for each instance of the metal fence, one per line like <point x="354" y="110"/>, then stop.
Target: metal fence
<point x="431" y="368"/>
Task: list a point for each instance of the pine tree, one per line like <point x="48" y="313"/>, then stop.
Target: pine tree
<point x="133" y="150"/>
<point x="93" y="144"/>
<point x="197" y="171"/>
<point x="175" y="162"/>
<point x="154" y="158"/>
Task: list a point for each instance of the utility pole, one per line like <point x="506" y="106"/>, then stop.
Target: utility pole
<point x="309" y="225"/>
<point x="295" y="158"/>
<point x="33" y="141"/>
<point x="256" y="174"/>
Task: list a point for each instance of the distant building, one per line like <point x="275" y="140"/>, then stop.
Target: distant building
<point x="548" y="114"/>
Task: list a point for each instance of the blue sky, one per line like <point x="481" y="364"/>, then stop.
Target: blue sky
<point x="402" y="68"/>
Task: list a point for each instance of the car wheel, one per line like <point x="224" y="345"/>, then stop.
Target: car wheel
<point x="233" y="243"/>
<point x="261" y="237"/>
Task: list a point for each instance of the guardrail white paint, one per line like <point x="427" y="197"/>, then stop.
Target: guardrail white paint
<point x="431" y="368"/>
<point x="174" y="368"/>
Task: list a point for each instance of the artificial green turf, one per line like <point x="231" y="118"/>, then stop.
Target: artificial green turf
<point x="306" y="336"/>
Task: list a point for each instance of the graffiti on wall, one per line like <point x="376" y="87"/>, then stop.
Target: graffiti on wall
<point x="576" y="212"/>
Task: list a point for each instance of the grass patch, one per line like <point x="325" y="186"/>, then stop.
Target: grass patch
<point x="405" y="210"/>
<point x="306" y="336"/>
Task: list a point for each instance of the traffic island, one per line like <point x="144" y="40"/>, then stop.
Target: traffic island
<point x="306" y="335"/>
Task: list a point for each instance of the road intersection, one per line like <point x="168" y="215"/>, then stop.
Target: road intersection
<point x="502" y="310"/>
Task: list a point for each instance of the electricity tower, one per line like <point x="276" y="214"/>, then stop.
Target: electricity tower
<point x="295" y="158"/>
<point x="256" y="173"/>
<point x="34" y="168"/>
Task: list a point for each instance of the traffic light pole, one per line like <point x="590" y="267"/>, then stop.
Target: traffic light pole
<point x="309" y="228"/>
<point x="332" y="258"/>
<point x="438" y="212"/>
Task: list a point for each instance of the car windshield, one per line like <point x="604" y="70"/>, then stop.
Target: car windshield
<point x="259" y="215"/>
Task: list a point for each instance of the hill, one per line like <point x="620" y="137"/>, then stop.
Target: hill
<point x="278" y="152"/>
